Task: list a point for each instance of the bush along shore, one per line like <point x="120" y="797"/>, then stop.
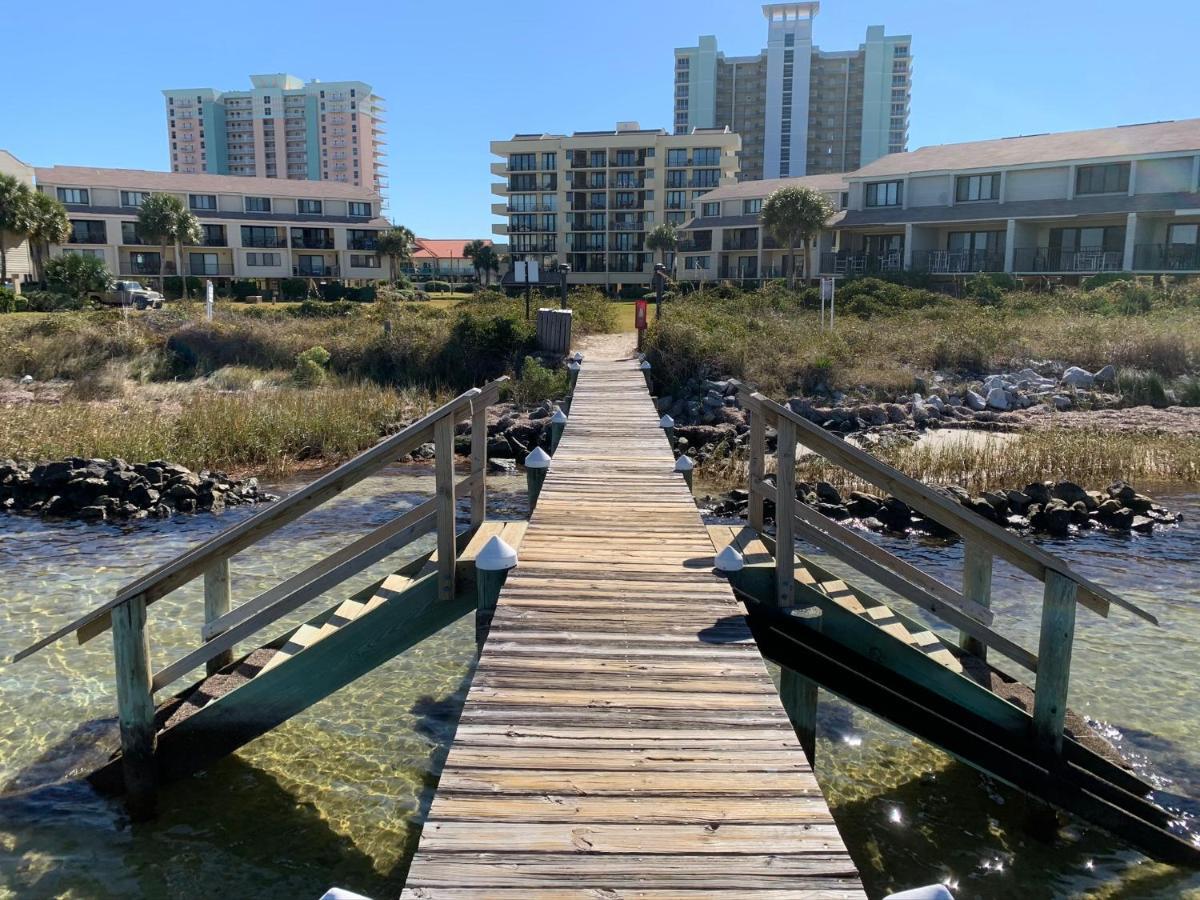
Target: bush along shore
<point x="112" y="490"/>
<point x="1055" y="509"/>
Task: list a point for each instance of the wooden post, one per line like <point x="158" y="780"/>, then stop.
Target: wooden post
<point x="785" y="500"/>
<point x="1054" y="662"/>
<point x="479" y="440"/>
<point x="758" y="458"/>
<point x="443" y="448"/>
<point x="977" y="586"/>
<point x="217" y="597"/>
<point x="135" y="707"/>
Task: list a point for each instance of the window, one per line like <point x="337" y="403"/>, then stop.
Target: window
<point x="676" y="200"/>
<point x="364" y="261"/>
<point x="676" y="218"/>
<point x="1111" y="178"/>
<point x="969" y="188"/>
<point x="202" y="201"/>
<point x="308" y="207"/>
<point x="77" y="196"/>
<point x="260" y="236"/>
<point x="1110" y="239"/>
<point x="751" y="207"/>
<point x="549" y="161"/>
<point x="976" y="242"/>
<point x="706" y="177"/>
<point x="676" y="178"/>
<point x="693" y="263"/>
<point x="361" y="209"/>
<point x="677" y="158"/>
<point x="262" y="259"/>
<point x="130" y="234"/>
<point x="884" y="193"/>
<point x="133" y="198"/>
<point x="710" y="209"/>
<point x="845" y="200"/>
<point x="214" y="235"/>
<point x="87" y="232"/>
<point x="258" y="204"/>
<point x="1184" y="234"/>
<point x="522" y="162"/>
<point x="203" y="264"/>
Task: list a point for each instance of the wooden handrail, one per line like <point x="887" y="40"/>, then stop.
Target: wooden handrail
<point x="1025" y="556"/>
<point x="195" y="561"/>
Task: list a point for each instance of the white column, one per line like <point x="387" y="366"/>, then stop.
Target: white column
<point x="1133" y="167"/>
<point x="1003" y="185"/>
<point x="1130" y="237"/>
<point x="908" y="245"/>
<point x="1010" y="238"/>
<point x="1071" y="182"/>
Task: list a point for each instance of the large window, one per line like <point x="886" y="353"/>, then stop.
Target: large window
<point x="76" y="196"/>
<point x="307" y="207"/>
<point x="202" y="201"/>
<point x="1111" y="178"/>
<point x="706" y="156"/>
<point x="260" y="236"/>
<point x="258" y="204"/>
<point x="362" y="210"/>
<point x="549" y="161"/>
<point x="522" y="162"/>
<point x="523" y="202"/>
<point x="88" y="232"/>
<point x="130" y="234"/>
<point x="692" y="263"/>
<point x="260" y="260"/>
<point x="706" y="177"/>
<point x="710" y="209"/>
<point x="133" y="198"/>
<point x="677" y="158"/>
<point x="885" y="193"/>
<point x="976" y="241"/>
<point x="676" y="178"/>
<point x="1184" y="234"/>
<point x="203" y="264"/>
<point x="751" y="207"/>
<point x="214" y="235"/>
<point x="1109" y="238"/>
<point x="364" y="261"/>
<point x="676" y="199"/>
<point x="526" y="181"/>
<point x="977" y="187"/>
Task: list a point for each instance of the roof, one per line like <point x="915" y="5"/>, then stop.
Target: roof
<point x="145" y="180"/>
<point x="752" y="220"/>
<point x="1097" y="143"/>
<point x="748" y="190"/>
<point x="442" y="248"/>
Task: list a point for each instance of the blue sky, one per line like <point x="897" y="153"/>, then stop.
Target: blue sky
<point x="457" y="75"/>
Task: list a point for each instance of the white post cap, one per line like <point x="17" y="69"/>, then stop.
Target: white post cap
<point x="578" y="357"/>
<point x="729" y="560"/>
<point x="559" y="417"/>
<point x="666" y="422"/>
<point x="496" y="555"/>
<point x="645" y="366"/>
<point x="538" y="459"/>
<point x="684" y="464"/>
<point x="929" y="892"/>
<point x="573" y="366"/>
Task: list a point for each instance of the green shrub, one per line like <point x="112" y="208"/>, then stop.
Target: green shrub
<point x="322" y="309"/>
<point x="989" y="287"/>
<point x="437" y="287"/>
<point x="1189" y="392"/>
<point x="293" y="288"/>
<point x="867" y="297"/>
<point x="51" y="301"/>
<point x="11" y="301"/>
<point x="591" y="312"/>
<point x="76" y="274"/>
<point x="241" y="289"/>
<point x="310" y="367"/>
<point x="1102" y="279"/>
<point x="537" y="383"/>
<point x="1140" y="388"/>
<point x="1131" y="298"/>
<point x="173" y="287"/>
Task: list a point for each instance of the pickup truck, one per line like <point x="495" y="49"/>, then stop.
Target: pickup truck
<point x="128" y="293"/>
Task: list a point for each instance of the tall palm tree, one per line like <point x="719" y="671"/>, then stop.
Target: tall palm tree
<point x="486" y="260"/>
<point x="661" y="239"/>
<point x="48" y="225"/>
<point x="471" y="251"/>
<point x="397" y="244"/>
<point x="15" y="203"/>
<point x="164" y="219"/>
<point x="794" y="216"/>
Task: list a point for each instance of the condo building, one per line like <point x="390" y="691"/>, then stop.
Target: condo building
<point x="17" y="256"/>
<point x="800" y="110"/>
<point x="282" y="128"/>
<point x="253" y="228"/>
<point x="588" y="199"/>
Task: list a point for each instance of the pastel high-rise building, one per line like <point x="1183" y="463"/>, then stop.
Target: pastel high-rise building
<point x="800" y="110"/>
<point x="283" y="127"/>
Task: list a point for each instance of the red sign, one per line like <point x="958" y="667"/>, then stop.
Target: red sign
<point x="639" y="315"/>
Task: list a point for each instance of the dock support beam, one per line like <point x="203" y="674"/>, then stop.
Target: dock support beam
<point x="785" y="516"/>
<point x="977" y="586"/>
<point x="479" y="440"/>
<point x="217" y="599"/>
<point x="135" y="708"/>
<point x="758" y="462"/>
<point x="443" y="462"/>
<point x="799" y="694"/>
<point x="1054" y="663"/>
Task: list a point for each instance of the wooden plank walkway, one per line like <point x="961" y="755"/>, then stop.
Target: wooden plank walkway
<point x="622" y="737"/>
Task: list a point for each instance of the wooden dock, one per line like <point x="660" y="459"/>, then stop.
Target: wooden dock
<point x="622" y="736"/>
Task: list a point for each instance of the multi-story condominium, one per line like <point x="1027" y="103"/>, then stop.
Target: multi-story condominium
<point x="724" y="238"/>
<point x="589" y="199"/>
<point x="800" y="110"/>
<point x="282" y="128"/>
<point x="1062" y="205"/>
<point x="253" y="228"/>
<point x="17" y="259"/>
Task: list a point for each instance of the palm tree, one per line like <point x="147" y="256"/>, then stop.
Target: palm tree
<point x="397" y="245"/>
<point x="15" y="204"/>
<point x="471" y="251"/>
<point x="486" y="260"/>
<point x="794" y="216"/>
<point x="661" y="239"/>
<point x="165" y="220"/>
<point x="48" y="225"/>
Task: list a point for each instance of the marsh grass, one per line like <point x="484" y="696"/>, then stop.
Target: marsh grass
<point x="1089" y="458"/>
<point x="266" y="432"/>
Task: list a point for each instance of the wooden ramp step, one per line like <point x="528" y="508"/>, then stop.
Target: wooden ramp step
<point x="748" y="542"/>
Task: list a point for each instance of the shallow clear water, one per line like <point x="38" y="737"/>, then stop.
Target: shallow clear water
<point x="333" y="795"/>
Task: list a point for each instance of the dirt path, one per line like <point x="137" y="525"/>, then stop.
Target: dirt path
<point x="608" y="346"/>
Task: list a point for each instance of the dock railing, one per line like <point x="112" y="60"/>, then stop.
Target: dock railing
<point x="966" y="609"/>
<point x="226" y="625"/>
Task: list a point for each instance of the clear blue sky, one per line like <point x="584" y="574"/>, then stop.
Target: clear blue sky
<point x="82" y="82"/>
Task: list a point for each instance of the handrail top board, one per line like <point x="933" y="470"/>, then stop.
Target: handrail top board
<point x="232" y="540"/>
<point x="1026" y="556"/>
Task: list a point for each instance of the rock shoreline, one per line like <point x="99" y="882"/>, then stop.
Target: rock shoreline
<point x="113" y="490"/>
<point x="1055" y="509"/>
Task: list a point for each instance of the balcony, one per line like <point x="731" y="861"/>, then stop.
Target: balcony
<point x="210" y="270"/>
<point x="314" y="271"/>
<point x="1054" y="259"/>
<point x="266" y="241"/>
<point x="628" y="225"/>
<point x="131" y="267"/>
<point x="363" y="244"/>
<point x="1166" y="257"/>
<point x="312" y="242"/>
<point x="737" y="241"/>
<point x="859" y="263"/>
<point x="951" y="262"/>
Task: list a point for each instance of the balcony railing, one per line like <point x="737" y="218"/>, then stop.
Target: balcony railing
<point x="299" y="242"/>
<point x="129" y="267"/>
<point x="965" y="261"/>
<point x="852" y="263"/>
<point x="536" y="247"/>
<point x="1054" y="259"/>
<point x="88" y="237"/>
<point x="210" y="269"/>
<point x="213" y="241"/>
<point x="739" y="242"/>
<point x="628" y="225"/>
<point x="364" y="244"/>
<point x="315" y="271"/>
<point x="1167" y="257"/>
<point x="269" y="241"/>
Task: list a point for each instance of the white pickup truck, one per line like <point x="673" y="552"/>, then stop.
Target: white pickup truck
<point x="128" y="293"/>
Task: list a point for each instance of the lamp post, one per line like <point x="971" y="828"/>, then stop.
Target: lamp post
<point x="563" y="271"/>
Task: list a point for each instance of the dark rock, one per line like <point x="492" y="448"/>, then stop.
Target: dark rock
<point x="1143" y="524"/>
<point x="498" y="448"/>
<point x="1018" y="501"/>
<point x="863" y="505"/>
<point x="93" y="513"/>
<point x="833" y="510"/>
<point x="827" y="493"/>
<point x="895" y="514"/>
<point x="980" y="506"/>
<point x="1069" y="492"/>
<point x="1038" y="493"/>
<point x="998" y="501"/>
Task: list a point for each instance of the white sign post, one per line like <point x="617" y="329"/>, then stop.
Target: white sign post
<point x="208" y="299"/>
<point x="827" y="291"/>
